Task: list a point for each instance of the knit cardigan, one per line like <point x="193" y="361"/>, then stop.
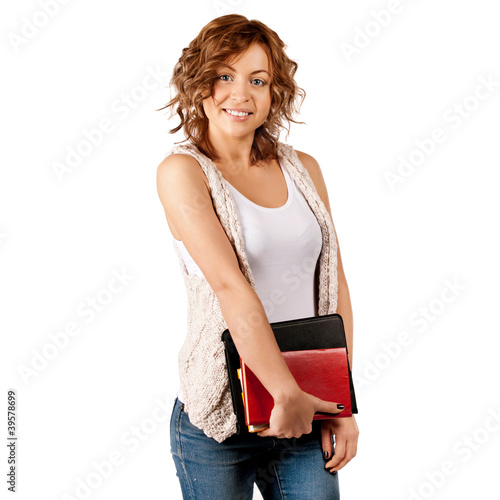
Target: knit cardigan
<point x="202" y="364"/>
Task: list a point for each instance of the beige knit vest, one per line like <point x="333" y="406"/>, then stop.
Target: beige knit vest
<point x="202" y="364"/>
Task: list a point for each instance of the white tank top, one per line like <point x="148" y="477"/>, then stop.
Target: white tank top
<point x="282" y="245"/>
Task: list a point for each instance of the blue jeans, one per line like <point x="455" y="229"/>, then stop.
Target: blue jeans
<point x="288" y="469"/>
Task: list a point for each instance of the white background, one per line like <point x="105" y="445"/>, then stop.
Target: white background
<point x="427" y="403"/>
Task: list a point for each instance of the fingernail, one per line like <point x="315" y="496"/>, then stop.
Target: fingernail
<point x="333" y="472"/>
<point x="325" y="455"/>
<point x="340" y="407"/>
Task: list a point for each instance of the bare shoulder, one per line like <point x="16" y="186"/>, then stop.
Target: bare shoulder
<point x="181" y="183"/>
<point x="314" y="170"/>
<point x="180" y="168"/>
<point x="308" y="161"/>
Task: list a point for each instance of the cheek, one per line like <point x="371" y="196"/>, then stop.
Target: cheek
<point x="265" y="101"/>
<point x="208" y="101"/>
<point x="208" y="105"/>
<point x="218" y="90"/>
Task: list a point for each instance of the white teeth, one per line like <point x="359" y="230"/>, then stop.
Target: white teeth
<point x="236" y="113"/>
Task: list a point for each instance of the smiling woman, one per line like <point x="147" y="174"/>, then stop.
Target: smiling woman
<point x="209" y="59"/>
<point x="247" y="212"/>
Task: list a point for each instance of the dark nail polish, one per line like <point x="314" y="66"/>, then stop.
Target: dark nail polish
<point x="340" y="407"/>
<point x="325" y="455"/>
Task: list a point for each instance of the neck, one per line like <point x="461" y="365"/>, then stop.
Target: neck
<point x="232" y="153"/>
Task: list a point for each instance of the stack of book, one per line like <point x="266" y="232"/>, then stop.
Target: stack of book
<point x="315" y="350"/>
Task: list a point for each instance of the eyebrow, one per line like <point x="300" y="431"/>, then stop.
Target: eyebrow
<point x="252" y="73"/>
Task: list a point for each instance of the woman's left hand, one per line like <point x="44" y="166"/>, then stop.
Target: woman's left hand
<point x="346" y="434"/>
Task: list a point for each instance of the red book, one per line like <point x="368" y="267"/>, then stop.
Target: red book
<point x="323" y="373"/>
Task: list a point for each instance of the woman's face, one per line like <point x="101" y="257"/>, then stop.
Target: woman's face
<point x="241" y="96"/>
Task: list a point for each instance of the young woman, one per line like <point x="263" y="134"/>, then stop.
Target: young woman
<point x="254" y="235"/>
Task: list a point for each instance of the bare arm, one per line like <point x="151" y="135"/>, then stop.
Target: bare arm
<point x="188" y="206"/>
<point x="345" y="430"/>
<point x="344" y="307"/>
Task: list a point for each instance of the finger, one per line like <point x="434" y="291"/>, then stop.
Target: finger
<point x="340" y="450"/>
<point x="264" y="433"/>
<point x="326" y="442"/>
<point x="328" y="406"/>
<point x="350" y="453"/>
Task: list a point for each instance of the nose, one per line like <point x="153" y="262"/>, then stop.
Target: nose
<point x="240" y="91"/>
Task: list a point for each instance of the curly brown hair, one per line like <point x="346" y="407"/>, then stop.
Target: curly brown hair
<point x="196" y="70"/>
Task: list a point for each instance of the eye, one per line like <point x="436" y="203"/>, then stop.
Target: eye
<point x="224" y="78"/>
<point x="259" y="82"/>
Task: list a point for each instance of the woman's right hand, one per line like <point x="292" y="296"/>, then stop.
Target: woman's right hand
<point x="293" y="413"/>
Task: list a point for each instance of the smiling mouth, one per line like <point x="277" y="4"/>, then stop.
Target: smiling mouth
<point x="237" y="113"/>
